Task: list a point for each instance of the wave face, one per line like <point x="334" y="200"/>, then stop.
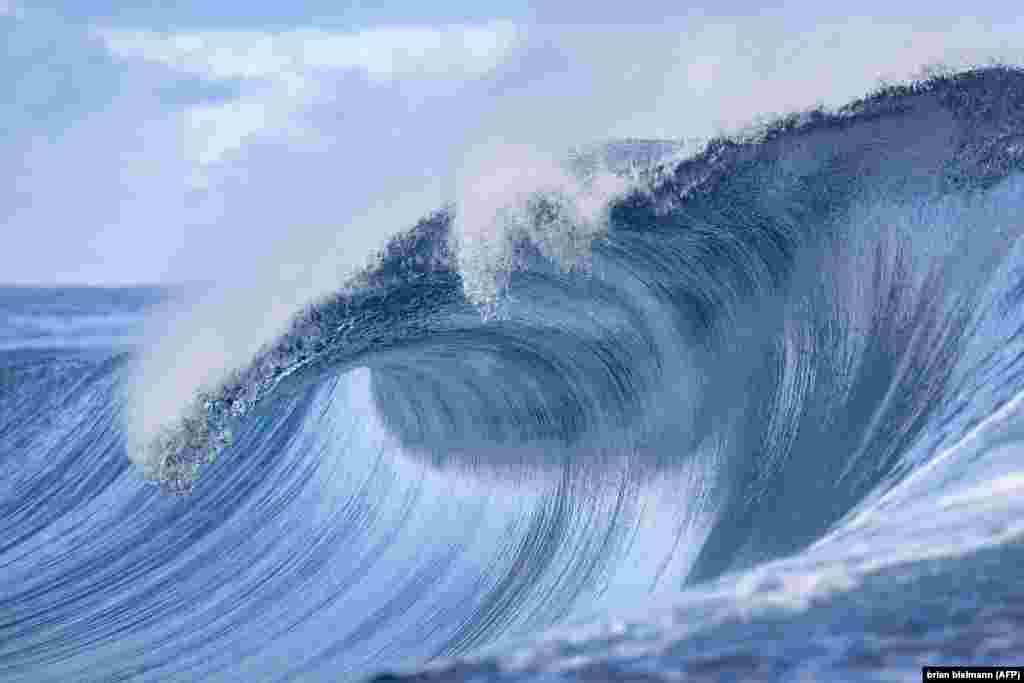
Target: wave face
<point x="755" y="412"/>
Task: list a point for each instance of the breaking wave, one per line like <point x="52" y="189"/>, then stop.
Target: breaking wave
<point x="581" y="387"/>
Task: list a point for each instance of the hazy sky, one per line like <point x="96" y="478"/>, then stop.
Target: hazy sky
<point x="191" y="140"/>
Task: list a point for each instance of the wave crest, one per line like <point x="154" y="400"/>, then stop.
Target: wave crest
<point x="750" y="290"/>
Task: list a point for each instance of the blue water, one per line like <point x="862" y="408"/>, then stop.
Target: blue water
<point x="767" y="424"/>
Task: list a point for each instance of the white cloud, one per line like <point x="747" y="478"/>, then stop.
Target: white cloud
<point x="382" y="53"/>
<point x="213" y="131"/>
<point x="701" y="73"/>
<point x="281" y="73"/>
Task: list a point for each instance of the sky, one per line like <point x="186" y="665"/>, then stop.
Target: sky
<point x="241" y="142"/>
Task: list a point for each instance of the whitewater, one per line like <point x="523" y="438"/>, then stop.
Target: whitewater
<point x="749" y="412"/>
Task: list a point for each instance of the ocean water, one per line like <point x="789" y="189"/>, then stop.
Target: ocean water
<point x="751" y="414"/>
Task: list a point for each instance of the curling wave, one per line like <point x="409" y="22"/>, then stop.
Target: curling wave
<point x="655" y="371"/>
